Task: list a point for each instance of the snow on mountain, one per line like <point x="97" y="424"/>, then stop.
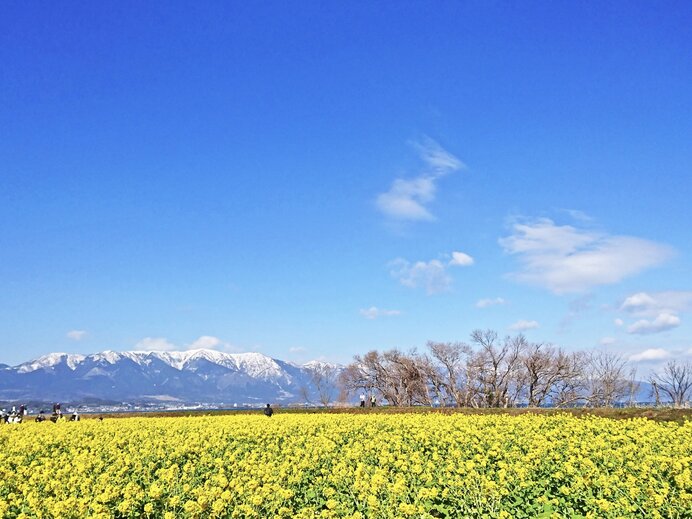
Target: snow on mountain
<point x="318" y="364"/>
<point x="200" y="375"/>
<point x="51" y="360"/>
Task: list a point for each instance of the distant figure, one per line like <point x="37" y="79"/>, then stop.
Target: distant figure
<point x="372" y="401"/>
<point x="14" y="416"/>
<point x="74" y="417"/>
<point x="268" y="411"/>
<point x="100" y="418"/>
<point x="362" y="399"/>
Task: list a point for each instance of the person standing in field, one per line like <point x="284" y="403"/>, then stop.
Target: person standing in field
<point x="372" y="400"/>
<point x="268" y="411"/>
<point x="362" y="399"/>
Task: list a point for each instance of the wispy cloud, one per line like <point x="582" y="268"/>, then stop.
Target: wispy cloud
<point x="407" y="199"/>
<point x="155" y="344"/>
<point x="431" y="275"/>
<point x="76" y="335"/>
<point x="204" y="342"/>
<point x="607" y="341"/>
<point x="578" y="215"/>
<point x="297" y="349"/>
<point x="576" y="308"/>
<point x="523" y="325"/>
<point x="373" y="312"/>
<point x="662" y="322"/>
<point x="565" y="259"/>
<point x="438" y="160"/>
<point x="209" y="342"/>
<point x="485" y="303"/>
<point x="650" y="354"/>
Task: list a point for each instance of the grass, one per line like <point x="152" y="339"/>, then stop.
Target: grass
<point x="659" y="414"/>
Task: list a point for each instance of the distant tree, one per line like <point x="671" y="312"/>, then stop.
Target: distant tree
<point x="497" y="364"/>
<point x="448" y="375"/>
<point x="656" y="393"/>
<point x="401" y="379"/>
<point x="324" y="378"/>
<point x="408" y="378"/>
<point x="304" y="392"/>
<point x="633" y="387"/>
<point x="606" y="379"/>
<point x="368" y="373"/>
<point x="675" y="381"/>
<point x="547" y="369"/>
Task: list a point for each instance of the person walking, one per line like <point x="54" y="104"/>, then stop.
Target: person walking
<point x="372" y="400"/>
<point x="268" y="411"/>
<point x="362" y="399"/>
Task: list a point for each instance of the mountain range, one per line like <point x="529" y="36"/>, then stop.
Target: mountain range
<point x="194" y="376"/>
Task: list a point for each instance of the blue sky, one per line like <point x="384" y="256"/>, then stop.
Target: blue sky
<point x="318" y="180"/>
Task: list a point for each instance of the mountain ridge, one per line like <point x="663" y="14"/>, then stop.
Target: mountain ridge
<point x="199" y="375"/>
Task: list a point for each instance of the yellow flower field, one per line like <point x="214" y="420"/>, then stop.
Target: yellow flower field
<point x="320" y="465"/>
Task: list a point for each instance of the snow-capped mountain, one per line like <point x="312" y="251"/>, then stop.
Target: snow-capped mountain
<point x="185" y="376"/>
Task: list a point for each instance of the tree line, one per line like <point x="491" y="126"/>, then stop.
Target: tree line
<point x="493" y="371"/>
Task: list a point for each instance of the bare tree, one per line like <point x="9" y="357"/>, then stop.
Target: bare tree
<point x="365" y="373"/>
<point x="408" y="378"/>
<point x="498" y="366"/>
<point x="546" y="368"/>
<point x="605" y="374"/>
<point x="656" y="393"/>
<point x="633" y="386"/>
<point x="324" y="378"/>
<point x="675" y="381"/>
<point x="304" y="392"/>
<point x="449" y="360"/>
<point x="570" y="388"/>
<point x="400" y="379"/>
<point x="373" y="374"/>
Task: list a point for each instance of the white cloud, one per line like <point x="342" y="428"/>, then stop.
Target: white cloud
<point x="607" y="341"/>
<point x="484" y="303"/>
<point x="209" y="342"/>
<point x="618" y="322"/>
<point x="76" y="335"/>
<point x="461" y="259"/>
<point x="650" y="354"/>
<point x="431" y="275"/>
<point x="638" y="302"/>
<point x="566" y="259"/>
<point x="649" y="305"/>
<point x="407" y="198"/>
<point x="205" y="342"/>
<point x="373" y="312"/>
<point x="155" y="344"/>
<point x="523" y="325"/>
<point x="664" y="321"/>
<point x="297" y="349"/>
